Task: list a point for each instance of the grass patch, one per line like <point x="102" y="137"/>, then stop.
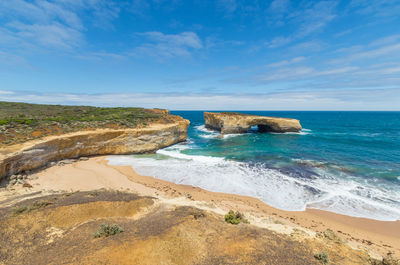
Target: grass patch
<point x="106" y="230"/>
<point x="94" y="193"/>
<point x="235" y="218"/>
<point x="22" y="209"/>
<point x="41" y="204"/>
<point x="323" y="257"/>
<point x="330" y="235"/>
<point x="34" y="206"/>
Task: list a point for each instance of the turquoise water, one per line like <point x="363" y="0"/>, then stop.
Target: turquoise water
<point x="345" y="162"/>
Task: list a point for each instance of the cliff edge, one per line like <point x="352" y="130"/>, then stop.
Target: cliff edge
<point x="95" y="131"/>
<point x="230" y="122"/>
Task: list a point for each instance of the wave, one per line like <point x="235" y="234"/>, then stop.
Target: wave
<point x="280" y="190"/>
<point x="355" y="134"/>
<point x="198" y="158"/>
<point x="302" y="132"/>
<point x="309" y="162"/>
<point x="208" y="134"/>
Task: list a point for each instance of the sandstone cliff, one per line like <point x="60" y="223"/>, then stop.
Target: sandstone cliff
<point x="37" y="153"/>
<point x="229" y="122"/>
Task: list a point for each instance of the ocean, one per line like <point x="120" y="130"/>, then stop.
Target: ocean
<point x="344" y="162"/>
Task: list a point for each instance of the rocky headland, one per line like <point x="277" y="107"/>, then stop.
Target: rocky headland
<point x="93" y="131"/>
<point x="230" y="123"/>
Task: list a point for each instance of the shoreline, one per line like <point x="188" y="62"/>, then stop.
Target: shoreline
<point x="377" y="237"/>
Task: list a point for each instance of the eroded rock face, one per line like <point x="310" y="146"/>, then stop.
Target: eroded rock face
<point x="230" y="122"/>
<point x="38" y="153"/>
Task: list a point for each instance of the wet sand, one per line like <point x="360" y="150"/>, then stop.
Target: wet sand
<point x="378" y="237"/>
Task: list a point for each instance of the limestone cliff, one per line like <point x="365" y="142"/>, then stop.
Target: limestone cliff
<point x="229" y="122"/>
<point x="37" y="153"/>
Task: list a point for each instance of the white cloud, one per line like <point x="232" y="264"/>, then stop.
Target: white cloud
<point x="279" y="6"/>
<point x="279" y="41"/>
<point x="10" y="59"/>
<point x="381" y="8"/>
<point x="302" y="73"/>
<point x="228" y="6"/>
<point x="350" y="99"/>
<point x="287" y="62"/>
<point x="391" y="51"/>
<point x="55" y="24"/>
<point x="308" y="19"/>
<point x="168" y="45"/>
<point x="51" y="35"/>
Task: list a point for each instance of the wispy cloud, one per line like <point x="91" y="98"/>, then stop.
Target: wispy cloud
<point x="228" y="6"/>
<point x="56" y="24"/>
<point x="384" y="48"/>
<point x="310" y="18"/>
<point x="279" y="6"/>
<point x="382" y="8"/>
<point x="51" y="35"/>
<point x="287" y="62"/>
<point x="163" y="46"/>
<point x="357" y="99"/>
<point x="278" y="9"/>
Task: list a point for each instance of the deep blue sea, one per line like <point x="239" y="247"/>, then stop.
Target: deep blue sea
<point x="345" y="162"/>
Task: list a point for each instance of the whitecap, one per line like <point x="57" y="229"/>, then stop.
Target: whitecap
<point x="302" y="132"/>
<point x="283" y="191"/>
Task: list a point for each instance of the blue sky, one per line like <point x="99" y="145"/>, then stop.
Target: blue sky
<point x="221" y="54"/>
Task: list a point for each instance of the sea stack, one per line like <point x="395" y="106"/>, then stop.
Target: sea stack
<point x="231" y="122"/>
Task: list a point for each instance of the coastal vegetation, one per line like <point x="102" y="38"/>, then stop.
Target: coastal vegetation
<point x="106" y="230"/>
<point x="323" y="257"/>
<point x="34" y="206"/>
<point x="235" y="218"/>
<point x="20" y="122"/>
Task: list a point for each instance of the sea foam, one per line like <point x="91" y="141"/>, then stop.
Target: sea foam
<point x="273" y="187"/>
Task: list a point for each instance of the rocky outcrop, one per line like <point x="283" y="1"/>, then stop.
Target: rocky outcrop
<point x="38" y="153"/>
<point x="230" y="122"/>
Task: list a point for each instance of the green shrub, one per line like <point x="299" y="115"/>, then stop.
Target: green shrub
<point x="323" y="257"/>
<point x="108" y="230"/>
<point x="34" y="206"/>
<point x="22" y="209"/>
<point x="235" y="218"/>
<point x="41" y="204"/>
<point x="94" y="193"/>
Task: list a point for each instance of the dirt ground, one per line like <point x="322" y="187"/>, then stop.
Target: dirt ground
<point x="60" y="228"/>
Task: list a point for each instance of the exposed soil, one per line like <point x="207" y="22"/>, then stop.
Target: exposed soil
<point x="59" y="229"/>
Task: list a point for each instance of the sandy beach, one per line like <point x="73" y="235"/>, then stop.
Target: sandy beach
<point x="377" y="237"/>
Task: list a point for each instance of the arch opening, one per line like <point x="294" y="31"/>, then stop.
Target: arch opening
<point x="260" y="128"/>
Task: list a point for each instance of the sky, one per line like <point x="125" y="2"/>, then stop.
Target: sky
<point x="199" y="54"/>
